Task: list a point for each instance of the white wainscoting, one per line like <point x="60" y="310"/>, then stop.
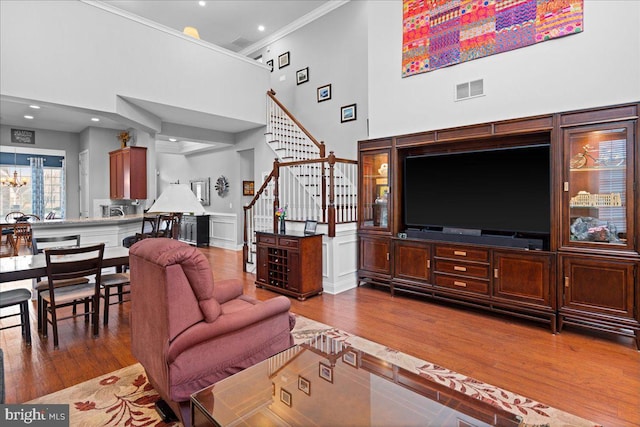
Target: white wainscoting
<point x="340" y="259"/>
<point x="223" y="231"/>
<point x="339" y="256"/>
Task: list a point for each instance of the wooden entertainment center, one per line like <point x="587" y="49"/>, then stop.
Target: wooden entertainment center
<point x="585" y="274"/>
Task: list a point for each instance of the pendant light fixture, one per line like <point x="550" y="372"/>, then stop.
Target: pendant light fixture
<point x="14" y="182"/>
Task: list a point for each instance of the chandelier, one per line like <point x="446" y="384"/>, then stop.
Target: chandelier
<point x="14" y="182"/>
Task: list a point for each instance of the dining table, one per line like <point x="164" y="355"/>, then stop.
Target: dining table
<point x="22" y="267"/>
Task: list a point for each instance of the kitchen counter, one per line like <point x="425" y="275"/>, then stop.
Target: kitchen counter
<point x="108" y="230"/>
<point x="83" y="222"/>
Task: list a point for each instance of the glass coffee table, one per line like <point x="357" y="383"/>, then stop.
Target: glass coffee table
<point x="325" y="382"/>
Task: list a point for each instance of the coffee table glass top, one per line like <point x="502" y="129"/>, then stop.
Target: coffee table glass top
<point x="328" y="383"/>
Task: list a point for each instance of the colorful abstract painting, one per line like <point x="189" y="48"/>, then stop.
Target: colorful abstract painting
<point x="439" y="33"/>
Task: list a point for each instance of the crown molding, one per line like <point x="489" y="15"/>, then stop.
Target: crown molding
<point x="139" y="19"/>
<point x="295" y="25"/>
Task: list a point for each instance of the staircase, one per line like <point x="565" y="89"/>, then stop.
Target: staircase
<point x="311" y="185"/>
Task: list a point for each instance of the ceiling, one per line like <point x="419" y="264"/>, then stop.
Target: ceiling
<point x="231" y="24"/>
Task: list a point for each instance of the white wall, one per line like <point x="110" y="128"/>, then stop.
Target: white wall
<point x="334" y="47"/>
<point x="73" y="53"/>
<point x="598" y="67"/>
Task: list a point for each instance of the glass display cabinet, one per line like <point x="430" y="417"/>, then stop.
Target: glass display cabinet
<point x="598" y="187"/>
<point x="375" y="190"/>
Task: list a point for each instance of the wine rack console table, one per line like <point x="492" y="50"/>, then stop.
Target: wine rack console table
<point x="290" y="264"/>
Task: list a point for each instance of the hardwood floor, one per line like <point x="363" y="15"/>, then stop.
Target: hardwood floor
<point x="595" y="376"/>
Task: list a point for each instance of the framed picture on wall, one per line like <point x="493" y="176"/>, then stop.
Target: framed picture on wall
<point x="270" y="64"/>
<point x="283" y="60"/>
<point x="325" y="372"/>
<point x="285" y="397"/>
<point x="348" y="113"/>
<point x="324" y="93"/>
<point x="302" y="76"/>
<point x="248" y="188"/>
<point x="304" y="385"/>
<point x="350" y="358"/>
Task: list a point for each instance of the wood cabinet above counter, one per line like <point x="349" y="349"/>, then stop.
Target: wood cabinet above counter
<point x="128" y="173"/>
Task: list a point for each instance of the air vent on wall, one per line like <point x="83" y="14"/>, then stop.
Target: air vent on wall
<point x="469" y="89"/>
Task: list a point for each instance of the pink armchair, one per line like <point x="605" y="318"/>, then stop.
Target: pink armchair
<point x="188" y="332"/>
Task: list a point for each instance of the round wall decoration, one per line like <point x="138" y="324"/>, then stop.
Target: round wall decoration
<point x="222" y="186"/>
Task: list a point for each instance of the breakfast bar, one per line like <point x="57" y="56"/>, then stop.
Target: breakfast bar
<point x="107" y="230"/>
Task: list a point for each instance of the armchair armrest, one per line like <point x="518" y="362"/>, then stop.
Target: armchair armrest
<point x="225" y="323"/>
<point x="226" y="290"/>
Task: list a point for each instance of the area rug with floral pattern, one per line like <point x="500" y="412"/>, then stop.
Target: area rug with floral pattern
<point x="125" y="398"/>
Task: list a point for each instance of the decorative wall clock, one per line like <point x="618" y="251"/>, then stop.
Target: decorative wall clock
<point x="222" y="186"/>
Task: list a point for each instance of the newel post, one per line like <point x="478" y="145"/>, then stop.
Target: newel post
<point x="331" y="211"/>
<point x="245" y="236"/>
<point x="276" y="193"/>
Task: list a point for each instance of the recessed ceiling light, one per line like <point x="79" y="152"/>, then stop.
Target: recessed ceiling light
<point x="35" y="107"/>
<point x="260" y="27"/>
<point x="172" y="139"/>
<point x="202" y="3"/>
<point x="28" y="117"/>
<point x="95" y="119"/>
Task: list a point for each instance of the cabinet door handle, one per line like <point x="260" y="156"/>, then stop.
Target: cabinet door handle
<point x="460" y="253"/>
<point x="458" y="268"/>
<point x="566" y="186"/>
<point x="388" y="256"/>
<point x="428" y="264"/>
<point x="495" y="273"/>
<point x="457" y="283"/>
<point x="566" y="281"/>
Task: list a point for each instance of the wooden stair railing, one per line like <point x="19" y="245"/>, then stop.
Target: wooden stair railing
<point x="311" y="185"/>
<point x="319" y="144"/>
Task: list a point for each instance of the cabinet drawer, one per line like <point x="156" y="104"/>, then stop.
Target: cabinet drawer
<point x="463" y="268"/>
<point x="450" y="252"/>
<point x="289" y="243"/>
<point x="266" y="239"/>
<point x="462" y="283"/>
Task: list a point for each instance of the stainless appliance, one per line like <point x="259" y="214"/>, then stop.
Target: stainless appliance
<point x="115" y="210"/>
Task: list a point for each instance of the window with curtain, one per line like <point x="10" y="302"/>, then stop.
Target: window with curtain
<point x="51" y="192"/>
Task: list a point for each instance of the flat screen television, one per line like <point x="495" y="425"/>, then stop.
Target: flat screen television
<point x="502" y="191"/>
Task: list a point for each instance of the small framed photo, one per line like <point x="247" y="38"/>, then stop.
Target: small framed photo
<point x="248" y="188"/>
<point x="283" y="60"/>
<point x="310" y="226"/>
<point x="350" y="358"/>
<point x="302" y="76"/>
<point x="270" y="64"/>
<point x="325" y="372"/>
<point x="324" y="93"/>
<point x="304" y="385"/>
<point x="285" y="397"/>
<point x="348" y="113"/>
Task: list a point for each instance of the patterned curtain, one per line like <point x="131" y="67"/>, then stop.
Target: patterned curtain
<point x="37" y="186"/>
<point x="63" y="186"/>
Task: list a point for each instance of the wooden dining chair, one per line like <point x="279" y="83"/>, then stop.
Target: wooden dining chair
<point x="169" y="225"/>
<point x="21" y="231"/>
<point x="42" y="284"/>
<point x="71" y="263"/>
<point x="7" y="232"/>
<point x="17" y="297"/>
<point x="114" y="285"/>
